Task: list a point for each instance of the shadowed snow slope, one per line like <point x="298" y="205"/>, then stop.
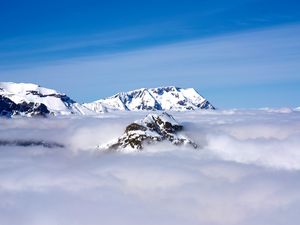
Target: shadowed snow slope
<point x="246" y="171"/>
<point x="30" y="100"/>
<point x="162" y="98"/>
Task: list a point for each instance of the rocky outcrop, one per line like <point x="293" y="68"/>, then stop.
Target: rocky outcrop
<point x="152" y="129"/>
<point x="9" y="108"/>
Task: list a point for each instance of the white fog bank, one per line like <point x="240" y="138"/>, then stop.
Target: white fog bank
<point x="246" y="171"/>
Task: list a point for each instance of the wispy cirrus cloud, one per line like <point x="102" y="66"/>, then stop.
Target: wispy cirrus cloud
<point x="265" y="56"/>
<point x="54" y="47"/>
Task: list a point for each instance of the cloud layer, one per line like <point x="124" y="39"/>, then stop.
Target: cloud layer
<point x="246" y="172"/>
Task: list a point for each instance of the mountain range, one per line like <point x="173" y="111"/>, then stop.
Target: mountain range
<point x="26" y="99"/>
<point x="162" y="98"/>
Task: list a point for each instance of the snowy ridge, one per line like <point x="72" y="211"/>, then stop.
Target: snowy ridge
<point x="30" y="99"/>
<point x="162" y="98"/>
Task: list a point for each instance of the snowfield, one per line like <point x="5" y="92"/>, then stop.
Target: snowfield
<point x="246" y="171"/>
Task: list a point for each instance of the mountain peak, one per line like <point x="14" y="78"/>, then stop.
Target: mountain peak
<point x="31" y="99"/>
<point x="161" y="98"/>
<point x="152" y="129"/>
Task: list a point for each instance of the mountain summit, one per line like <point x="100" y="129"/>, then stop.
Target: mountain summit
<point x="28" y="99"/>
<point x="152" y="129"/>
<point x="161" y="98"/>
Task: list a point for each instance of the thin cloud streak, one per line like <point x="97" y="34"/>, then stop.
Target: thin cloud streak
<point x="41" y="46"/>
<point x="262" y="56"/>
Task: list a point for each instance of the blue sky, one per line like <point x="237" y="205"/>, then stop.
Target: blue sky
<point x="240" y="53"/>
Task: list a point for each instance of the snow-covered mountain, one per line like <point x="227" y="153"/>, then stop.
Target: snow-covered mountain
<point x="162" y="98"/>
<point x="150" y="130"/>
<point x="30" y="100"/>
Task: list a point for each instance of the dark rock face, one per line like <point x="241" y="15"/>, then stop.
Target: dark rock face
<point x="6" y="106"/>
<point x="9" y="108"/>
<point x="153" y="128"/>
<point x="206" y="105"/>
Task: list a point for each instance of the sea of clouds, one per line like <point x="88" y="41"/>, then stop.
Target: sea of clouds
<point x="246" y="171"/>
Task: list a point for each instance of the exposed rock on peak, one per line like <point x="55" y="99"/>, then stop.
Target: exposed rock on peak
<point x="8" y="108"/>
<point x="153" y="128"/>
